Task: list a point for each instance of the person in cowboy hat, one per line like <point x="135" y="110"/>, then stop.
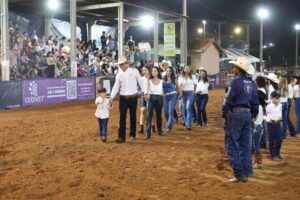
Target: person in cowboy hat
<point x="272" y="84"/>
<point x="127" y="81"/>
<point x="240" y="107"/>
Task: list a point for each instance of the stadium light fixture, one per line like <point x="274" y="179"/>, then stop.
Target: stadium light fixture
<point x="237" y="30"/>
<point x="53" y="5"/>
<point x="147" y="21"/>
<point x="200" y="30"/>
<point x="263" y="13"/>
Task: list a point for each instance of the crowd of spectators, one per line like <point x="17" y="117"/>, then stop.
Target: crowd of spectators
<point x="34" y="57"/>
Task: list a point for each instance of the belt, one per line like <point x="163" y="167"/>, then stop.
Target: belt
<point x="174" y="92"/>
<point x="129" y="96"/>
<point x="240" y="109"/>
<point x="274" y="122"/>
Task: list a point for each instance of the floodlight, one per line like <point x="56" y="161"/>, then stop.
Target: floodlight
<point x="147" y="21"/>
<point x="263" y="13"/>
<point x="53" y="5"/>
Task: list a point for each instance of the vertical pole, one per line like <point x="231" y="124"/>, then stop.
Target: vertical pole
<point x="261" y="44"/>
<point x="120" y="29"/>
<point x="47" y="28"/>
<point x="183" y="35"/>
<point x="248" y="38"/>
<point x="4" y="41"/>
<point x="73" y="38"/>
<point x="297" y="45"/>
<point x="204" y="29"/>
<point x="219" y="33"/>
<point x="156" y="39"/>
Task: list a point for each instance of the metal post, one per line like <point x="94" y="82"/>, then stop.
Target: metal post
<point x="297" y="45"/>
<point x="73" y="55"/>
<point x="261" y="44"/>
<point x="120" y="29"/>
<point x="219" y="33"/>
<point x="248" y="38"/>
<point x="47" y="29"/>
<point x="183" y="35"/>
<point x="156" y="39"/>
<point x="4" y="41"/>
<point x="204" y="30"/>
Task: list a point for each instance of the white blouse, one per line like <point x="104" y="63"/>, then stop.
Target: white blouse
<point x="290" y="94"/>
<point x="202" y="87"/>
<point x="186" y="84"/>
<point x="155" y="89"/>
<point x="296" y="90"/>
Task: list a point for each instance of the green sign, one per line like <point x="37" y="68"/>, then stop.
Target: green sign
<point x="169" y="40"/>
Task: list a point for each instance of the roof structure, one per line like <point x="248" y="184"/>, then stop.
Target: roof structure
<point x="200" y="45"/>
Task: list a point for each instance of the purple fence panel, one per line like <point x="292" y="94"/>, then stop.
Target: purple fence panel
<point x="36" y="92"/>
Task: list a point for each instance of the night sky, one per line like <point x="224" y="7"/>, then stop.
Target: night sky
<point x="279" y="27"/>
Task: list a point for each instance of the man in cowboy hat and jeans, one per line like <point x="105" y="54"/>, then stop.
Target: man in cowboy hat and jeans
<point x="240" y="107"/>
<point x="127" y="81"/>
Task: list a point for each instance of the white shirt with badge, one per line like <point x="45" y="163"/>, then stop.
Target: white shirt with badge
<point x="103" y="106"/>
<point x="127" y="83"/>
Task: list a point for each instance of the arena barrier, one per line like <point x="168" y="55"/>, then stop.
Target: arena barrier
<point x="107" y="82"/>
<point x="10" y="94"/>
<point x="214" y="80"/>
<point x="45" y="91"/>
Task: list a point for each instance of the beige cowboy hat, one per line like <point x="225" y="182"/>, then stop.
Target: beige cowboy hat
<point x="272" y="77"/>
<point x="121" y="60"/>
<point x="165" y="62"/>
<point x="244" y="64"/>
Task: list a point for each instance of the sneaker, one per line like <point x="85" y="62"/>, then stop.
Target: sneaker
<point x="279" y="157"/>
<point x="168" y="130"/>
<point x="120" y="140"/>
<point x="103" y="139"/>
<point x="260" y="166"/>
<point x="132" y="138"/>
<point x="237" y="179"/>
<point x="205" y="123"/>
<point x="199" y="126"/>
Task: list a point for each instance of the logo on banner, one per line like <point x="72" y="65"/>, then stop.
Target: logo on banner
<point x="33" y="89"/>
<point x="34" y="96"/>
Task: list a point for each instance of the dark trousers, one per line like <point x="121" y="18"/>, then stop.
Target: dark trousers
<point x="201" y="101"/>
<point x="289" y="122"/>
<point x="155" y="102"/>
<point x="103" y="126"/>
<point x="275" y="139"/>
<point x="124" y="105"/>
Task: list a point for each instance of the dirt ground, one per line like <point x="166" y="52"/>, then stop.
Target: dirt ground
<point x="54" y="152"/>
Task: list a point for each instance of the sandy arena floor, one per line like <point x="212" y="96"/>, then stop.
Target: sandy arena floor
<point x="54" y="152"/>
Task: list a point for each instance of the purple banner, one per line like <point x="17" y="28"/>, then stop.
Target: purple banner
<point x="214" y="79"/>
<point x="36" y="92"/>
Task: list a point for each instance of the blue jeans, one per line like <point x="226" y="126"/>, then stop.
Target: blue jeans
<point x="187" y="103"/>
<point x="169" y="108"/>
<point x="103" y="127"/>
<point x="297" y="111"/>
<point x="201" y="101"/>
<point x="284" y="119"/>
<point x="275" y="139"/>
<point x="256" y="138"/>
<point x="289" y="122"/>
<point x="238" y="143"/>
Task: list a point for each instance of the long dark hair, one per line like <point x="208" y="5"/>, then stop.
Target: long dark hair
<point x="158" y="71"/>
<point x="190" y="73"/>
<point x="275" y="85"/>
<point x="172" y="75"/>
<point x="205" y="77"/>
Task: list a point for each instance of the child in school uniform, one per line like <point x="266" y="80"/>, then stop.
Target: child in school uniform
<point x="102" y="112"/>
<point x="273" y="118"/>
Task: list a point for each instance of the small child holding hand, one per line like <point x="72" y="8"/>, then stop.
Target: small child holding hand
<point x="102" y="112"/>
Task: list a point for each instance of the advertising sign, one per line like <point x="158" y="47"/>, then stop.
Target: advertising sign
<point x="36" y="92"/>
<point x="169" y="40"/>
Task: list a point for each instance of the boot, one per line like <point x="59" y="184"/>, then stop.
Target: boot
<point x="147" y="136"/>
<point x="259" y="162"/>
<point x="141" y="130"/>
<point x="153" y="129"/>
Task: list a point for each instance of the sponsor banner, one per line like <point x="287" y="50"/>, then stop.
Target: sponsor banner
<point x="169" y="40"/>
<point x="214" y="79"/>
<point x="36" y="92"/>
<point x="10" y="94"/>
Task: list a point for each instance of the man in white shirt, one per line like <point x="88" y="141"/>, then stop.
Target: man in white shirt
<point x="127" y="81"/>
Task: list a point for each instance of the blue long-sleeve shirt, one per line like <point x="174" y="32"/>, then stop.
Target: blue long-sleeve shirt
<point x="242" y="92"/>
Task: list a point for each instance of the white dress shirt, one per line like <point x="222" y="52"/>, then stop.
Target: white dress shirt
<point x="260" y="116"/>
<point x="290" y="95"/>
<point x="296" y="90"/>
<point x="127" y="83"/>
<point x="202" y="87"/>
<point x="186" y="84"/>
<point x="102" y="110"/>
<point x="273" y="112"/>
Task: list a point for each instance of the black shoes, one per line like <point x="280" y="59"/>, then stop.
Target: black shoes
<point x="153" y="129"/>
<point x="147" y="136"/>
<point x="141" y="130"/>
<point x="120" y="140"/>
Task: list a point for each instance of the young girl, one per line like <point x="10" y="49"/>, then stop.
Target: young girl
<point x="154" y="95"/>
<point x="187" y="86"/>
<point x="290" y="102"/>
<point x="273" y="118"/>
<point x="102" y="113"/>
<point x="283" y="88"/>
<point x="171" y="89"/>
<point x="202" y="98"/>
<point x="296" y="97"/>
<point x="143" y="103"/>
